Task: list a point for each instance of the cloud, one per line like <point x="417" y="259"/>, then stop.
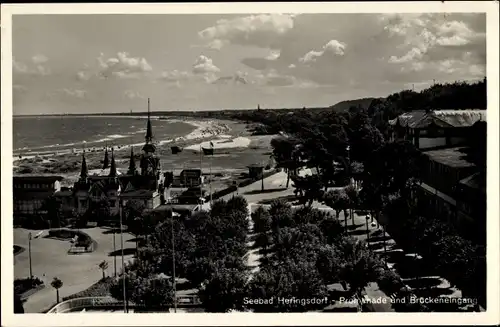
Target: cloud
<point x="123" y="66"/>
<point x="19" y="88"/>
<point x="203" y="71"/>
<point x="66" y="94"/>
<point x="39" y="59"/>
<point x="37" y="66"/>
<point x="217" y="44"/>
<point x="204" y="65"/>
<point x="239" y="78"/>
<point x="83" y="75"/>
<point x="332" y="48"/>
<point x="432" y="38"/>
<point x="254" y="30"/>
<point x="129" y="94"/>
<point x="80" y="94"/>
<point x="175" y="76"/>
<point x="19" y="67"/>
<point x="449" y="48"/>
<point x="273" y="78"/>
<point x="273" y="55"/>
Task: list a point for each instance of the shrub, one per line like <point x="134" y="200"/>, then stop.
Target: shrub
<point x="84" y="239"/>
<point x="26" y="284"/>
<point x="62" y="233"/>
<point x="101" y="288"/>
<point x="389" y="282"/>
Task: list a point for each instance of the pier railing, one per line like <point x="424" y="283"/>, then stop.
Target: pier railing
<point x="107" y="302"/>
<point x="73" y="305"/>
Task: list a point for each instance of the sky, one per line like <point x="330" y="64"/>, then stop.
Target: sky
<point x="113" y="63"/>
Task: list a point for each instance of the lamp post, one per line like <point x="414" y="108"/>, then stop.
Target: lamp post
<point x="173" y="256"/>
<point x="383" y="236"/>
<point x="125" y="309"/>
<point x="29" y="250"/>
<point x="114" y="247"/>
<point x="261" y="169"/>
<point x="137" y="222"/>
<point x="348" y="149"/>
<point x="367" y="229"/>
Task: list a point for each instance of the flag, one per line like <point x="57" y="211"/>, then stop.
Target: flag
<point x="176" y="149"/>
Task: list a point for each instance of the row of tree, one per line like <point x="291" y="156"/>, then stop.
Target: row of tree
<point x="209" y="247"/>
<point x="457" y="259"/>
<point x="457" y="95"/>
<point x="304" y="251"/>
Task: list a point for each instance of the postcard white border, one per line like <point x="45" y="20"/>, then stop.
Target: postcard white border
<point x="491" y="316"/>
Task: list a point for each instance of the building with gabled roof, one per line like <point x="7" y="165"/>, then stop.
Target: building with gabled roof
<point x="30" y="192"/>
<point x="428" y="129"/>
<point x="116" y="187"/>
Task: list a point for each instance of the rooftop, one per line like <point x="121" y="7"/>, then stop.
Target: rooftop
<point x="30" y="195"/>
<point x="102" y="172"/>
<point x="141" y="193"/>
<point x="475" y="181"/>
<point x="37" y="179"/>
<point x="180" y="207"/>
<point x="441" y="118"/>
<point x="452" y="157"/>
<point x="63" y="193"/>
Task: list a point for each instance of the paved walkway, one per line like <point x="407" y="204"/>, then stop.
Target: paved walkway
<point x="409" y="266"/>
<point x="252" y="256"/>
<point x="50" y="259"/>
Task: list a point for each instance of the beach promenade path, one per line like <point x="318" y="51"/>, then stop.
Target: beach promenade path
<point x="274" y="187"/>
<point x="78" y="272"/>
<point x="252" y="256"/>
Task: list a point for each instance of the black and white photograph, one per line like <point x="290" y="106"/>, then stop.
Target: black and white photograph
<point x="249" y="162"/>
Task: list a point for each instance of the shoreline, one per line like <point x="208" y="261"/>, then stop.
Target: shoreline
<point x="203" y="129"/>
<point x="228" y="137"/>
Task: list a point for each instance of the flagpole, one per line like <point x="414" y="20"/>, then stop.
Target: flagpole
<point x="201" y="174"/>
<point x="210" y="172"/>
<point x="123" y="261"/>
<point x="173" y="253"/>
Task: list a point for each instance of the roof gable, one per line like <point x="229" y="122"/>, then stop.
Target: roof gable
<point x="440" y="118"/>
<point x="129" y="187"/>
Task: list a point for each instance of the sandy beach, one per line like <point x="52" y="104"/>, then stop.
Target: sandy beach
<point x="238" y="142"/>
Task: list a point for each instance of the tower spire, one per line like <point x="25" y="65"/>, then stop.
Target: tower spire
<point x="106" y="159"/>
<point x="112" y="170"/>
<point x="131" y="166"/>
<point x="149" y="130"/>
<point x="84" y="173"/>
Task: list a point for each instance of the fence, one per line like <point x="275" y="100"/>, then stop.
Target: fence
<point x="107" y="302"/>
<point x="233" y="188"/>
<point x="85" y="302"/>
